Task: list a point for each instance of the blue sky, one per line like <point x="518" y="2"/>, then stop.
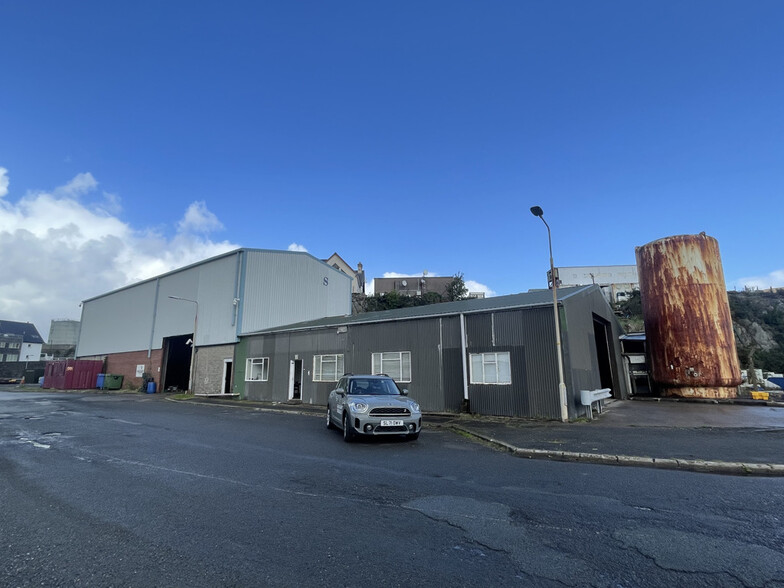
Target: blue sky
<point x="139" y="136"/>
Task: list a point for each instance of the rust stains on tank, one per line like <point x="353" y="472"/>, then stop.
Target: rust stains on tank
<point x="687" y="317"/>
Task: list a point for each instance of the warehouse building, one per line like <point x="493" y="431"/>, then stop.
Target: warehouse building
<point x="494" y="356"/>
<point x="179" y="329"/>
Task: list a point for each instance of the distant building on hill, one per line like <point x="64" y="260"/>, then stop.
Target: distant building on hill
<point x="63" y="337"/>
<point x="412" y="285"/>
<point x="617" y="282"/>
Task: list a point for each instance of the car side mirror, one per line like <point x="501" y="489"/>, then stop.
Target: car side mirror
<point x="404" y="391"/>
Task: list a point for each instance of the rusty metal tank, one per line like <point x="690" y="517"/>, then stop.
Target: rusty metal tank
<point x="688" y="326"/>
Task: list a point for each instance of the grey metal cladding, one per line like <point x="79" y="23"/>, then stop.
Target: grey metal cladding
<point x="452" y="364"/>
<point x="119" y="322"/>
<point x="284" y="287"/>
<point x="420" y="337"/>
<point x="580" y="344"/>
<point x="528" y="336"/>
<point x="470" y="306"/>
<point x="534" y="330"/>
<point x="212" y="286"/>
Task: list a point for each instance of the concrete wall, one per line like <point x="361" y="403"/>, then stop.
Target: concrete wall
<point x="210" y="361"/>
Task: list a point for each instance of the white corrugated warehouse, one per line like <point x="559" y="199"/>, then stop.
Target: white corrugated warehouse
<point x="147" y="328"/>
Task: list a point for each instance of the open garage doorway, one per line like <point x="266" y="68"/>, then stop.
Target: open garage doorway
<point x="176" y="362"/>
<point x="602" y="332"/>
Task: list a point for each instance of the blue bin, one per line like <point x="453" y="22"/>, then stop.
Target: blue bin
<point x="99" y="381"/>
<point x="151" y="387"/>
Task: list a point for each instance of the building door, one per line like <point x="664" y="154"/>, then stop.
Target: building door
<point x="295" y="379"/>
<point x="604" y="354"/>
<point x="176" y="362"/>
<point x="226" y="389"/>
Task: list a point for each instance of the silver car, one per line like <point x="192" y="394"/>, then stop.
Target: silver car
<point x="372" y="405"/>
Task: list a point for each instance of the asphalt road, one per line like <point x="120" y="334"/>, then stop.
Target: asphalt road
<point x="136" y="491"/>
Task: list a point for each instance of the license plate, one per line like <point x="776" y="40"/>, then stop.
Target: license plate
<point x="391" y="423"/>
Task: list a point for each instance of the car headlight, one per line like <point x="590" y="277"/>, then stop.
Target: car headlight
<point x="358" y="406"/>
<point x="413" y="406"/>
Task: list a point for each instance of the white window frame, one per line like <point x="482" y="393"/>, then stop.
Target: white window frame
<point x="489" y="358"/>
<point x="12" y="357"/>
<point x="254" y="361"/>
<point x="318" y="366"/>
<point x="14" y="345"/>
<point x="379" y="359"/>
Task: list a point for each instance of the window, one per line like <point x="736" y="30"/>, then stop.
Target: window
<point x="491" y="368"/>
<point x="2" y="344"/>
<point x="257" y="369"/>
<point x="14" y="345"/>
<point x="395" y="364"/>
<point x="327" y="368"/>
<point x="10" y="357"/>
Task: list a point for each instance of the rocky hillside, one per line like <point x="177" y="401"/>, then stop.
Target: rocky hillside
<point x="757" y="320"/>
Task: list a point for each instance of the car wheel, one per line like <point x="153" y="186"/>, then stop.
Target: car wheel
<point x="329" y="419"/>
<point x="348" y="432"/>
<point x="412" y="436"/>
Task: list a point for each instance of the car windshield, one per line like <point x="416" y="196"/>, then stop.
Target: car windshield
<point x="376" y="386"/>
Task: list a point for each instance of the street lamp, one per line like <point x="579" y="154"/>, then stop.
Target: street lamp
<point x="537" y="211"/>
<point x="193" y="343"/>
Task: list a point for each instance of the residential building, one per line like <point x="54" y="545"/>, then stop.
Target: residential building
<point x="179" y="329"/>
<point x="19" y="342"/>
<point x="357" y="275"/>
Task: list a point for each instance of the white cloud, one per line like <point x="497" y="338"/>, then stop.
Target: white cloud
<point x="415" y="274"/>
<point x="477" y="287"/>
<point x="198" y="219"/>
<point x="80" y="184"/>
<point x="297" y="247"/>
<point x="112" y="204"/>
<point x="774" y="279"/>
<point x="58" y="251"/>
<point x="3" y="182"/>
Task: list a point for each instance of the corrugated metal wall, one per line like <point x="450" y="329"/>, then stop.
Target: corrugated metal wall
<point x="581" y="360"/>
<point x="423" y="338"/>
<point x="283" y="287"/>
<point x="528" y="335"/>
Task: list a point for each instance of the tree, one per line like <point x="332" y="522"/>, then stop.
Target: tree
<point x="456" y="290"/>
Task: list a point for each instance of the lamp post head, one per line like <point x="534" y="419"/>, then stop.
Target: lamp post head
<point x="537" y="211"/>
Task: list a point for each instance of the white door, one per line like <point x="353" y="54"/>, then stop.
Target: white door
<point x="291" y="379"/>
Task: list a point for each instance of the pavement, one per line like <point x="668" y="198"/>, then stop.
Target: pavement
<point x="744" y="438"/>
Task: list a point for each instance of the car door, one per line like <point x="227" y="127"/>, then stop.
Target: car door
<point x="339" y="399"/>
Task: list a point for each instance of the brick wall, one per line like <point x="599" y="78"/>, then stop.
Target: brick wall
<point x="208" y="378"/>
<point x="125" y="364"/>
